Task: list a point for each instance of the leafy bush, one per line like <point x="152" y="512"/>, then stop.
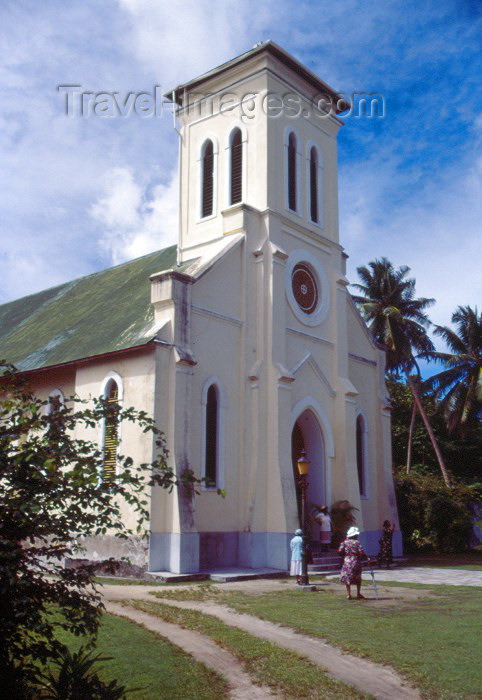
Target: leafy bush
<point x="342" y="519"/>
<point x="51" y="497"/>
<point x="431" y="516"/>
<point x="76" y="679"/>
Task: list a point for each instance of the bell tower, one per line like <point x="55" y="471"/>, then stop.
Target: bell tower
<point x="257" y="133"/>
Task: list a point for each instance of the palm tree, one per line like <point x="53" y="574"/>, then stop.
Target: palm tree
<point x="458" y="388"/>
<point x="397" y="320"/>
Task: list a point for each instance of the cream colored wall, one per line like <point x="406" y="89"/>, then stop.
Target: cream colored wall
<point x="137" y="375"/>
<point x="242" y="100"/>
<point x="85" y="381"/>
<point x="366" y="374"/>
<point x="310" y="128"/>
<point x="217" y="344"/>
<point x="43" y="383"/>
<point x="243" y="331"/>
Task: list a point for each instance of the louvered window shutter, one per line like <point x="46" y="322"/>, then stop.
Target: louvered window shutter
<point x="111" y="435"/>
<point x="236" y="168"/>
<point x="208" y="175"/>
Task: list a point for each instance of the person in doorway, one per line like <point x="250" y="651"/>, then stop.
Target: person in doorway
<point x="322" y="517"/>
<point x="296" y="545"/>
<point x="353" y="554"/>
<point x="385" y="553"/>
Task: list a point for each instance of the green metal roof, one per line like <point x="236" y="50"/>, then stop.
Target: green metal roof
<point x="101" y="313"/>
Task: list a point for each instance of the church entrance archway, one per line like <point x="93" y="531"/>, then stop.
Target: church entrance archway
<point x="307" y="435"/>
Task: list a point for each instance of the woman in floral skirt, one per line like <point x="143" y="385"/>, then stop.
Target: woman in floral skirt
<point x="385" y="554"/>
<point x="352" y="569"/>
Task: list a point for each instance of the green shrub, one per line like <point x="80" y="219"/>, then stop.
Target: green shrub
<point x="431" y="516"/>
<point x="77" y="679"/>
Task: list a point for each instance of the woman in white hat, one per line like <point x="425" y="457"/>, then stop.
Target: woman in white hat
<point x="353" y="554"/>
<point x="296" y="545"/>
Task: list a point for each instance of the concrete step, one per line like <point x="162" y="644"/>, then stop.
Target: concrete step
<point x="327" y="561"/>
<point x="221" y="575"/>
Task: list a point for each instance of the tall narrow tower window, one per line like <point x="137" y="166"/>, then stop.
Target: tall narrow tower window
<point x="207" y="178"/>
<point x="236" y="167"/>
<point x="292" y="172"/>
<point x="314" y="185"/>
<point x="211" y="454"/>
<point x="111" y="431"/>
<point x="360" y="454"/>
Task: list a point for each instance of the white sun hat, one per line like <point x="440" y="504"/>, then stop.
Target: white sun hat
<point x="353" y="532"/>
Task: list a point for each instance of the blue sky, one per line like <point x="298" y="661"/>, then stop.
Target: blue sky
<point x="78" y="195"/>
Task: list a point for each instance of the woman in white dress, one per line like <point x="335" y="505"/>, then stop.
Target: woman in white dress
<point x="296" y="547"/>
<point x="322" y="517"/>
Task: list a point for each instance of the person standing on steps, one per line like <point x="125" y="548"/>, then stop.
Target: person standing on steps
<point x="322" y="517"/>
<point x="296" y="545"/>
<point x="351" y="570"/>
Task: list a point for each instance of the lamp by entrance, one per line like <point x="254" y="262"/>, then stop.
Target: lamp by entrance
<point x="303" y="465"/>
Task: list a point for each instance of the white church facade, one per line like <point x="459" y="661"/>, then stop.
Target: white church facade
<point x="242" y="341"/>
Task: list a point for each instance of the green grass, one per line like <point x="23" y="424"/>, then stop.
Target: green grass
<point x="286" y="672"/>
<point x="115" y="581"/>
<point x="143" y="660"/>
<point x="434" y="641"/>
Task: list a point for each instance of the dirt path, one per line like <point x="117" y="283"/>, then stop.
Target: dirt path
<point x="380" y="681"/>
<point x="202" y="649"/>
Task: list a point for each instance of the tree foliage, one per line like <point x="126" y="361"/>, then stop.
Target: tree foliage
<point x="431" y="517"/>
<point x="51" y="497"/>
<point x="462" y="456"/>
<point x="397" y="320"/>
<point x="458" y="388"/>
<point x="395" y="317"/>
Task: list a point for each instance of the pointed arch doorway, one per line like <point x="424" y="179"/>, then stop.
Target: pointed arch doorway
<point x="307" y="435"/>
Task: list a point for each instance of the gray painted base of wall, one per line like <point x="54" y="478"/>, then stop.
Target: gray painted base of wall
<point x="191" y="553"/>
<point x="371" y="545"/>
<point x="194" y="552"/>
<point x="176" y="552"/>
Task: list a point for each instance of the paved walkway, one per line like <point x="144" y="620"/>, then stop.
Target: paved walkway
<point x="428" y="575"/>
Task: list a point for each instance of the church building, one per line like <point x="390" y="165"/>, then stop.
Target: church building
<point x="242" y="342"/>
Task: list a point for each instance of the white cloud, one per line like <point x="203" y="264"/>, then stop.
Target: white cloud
<point x="131" y="222"/>
<point x="435" y="230"/>
<point x="181" y="41"/>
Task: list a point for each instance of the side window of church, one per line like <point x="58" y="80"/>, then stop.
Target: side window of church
<point x="236" y="150"/>
<point x="292" y="172"/>
<point x="360" y="453"/>
<point x="212" y="421"/>
<point x="314" y="185"/>
<point x="55" y="401"/>
<point x="111" y="432"/>
<point x="207" y="178"/>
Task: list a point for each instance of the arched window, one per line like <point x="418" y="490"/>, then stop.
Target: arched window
<point x="314" y="185"/>
<point x="111" y="431"/>
<point x="207" y="189"/>
<point x="55" y="401"/>
<point x="211" y="445"/>
<point x="360" y="454"/>
<point x="292" y="172"/>
<point x="236" y="174"/>
<point x="214" y="402"/>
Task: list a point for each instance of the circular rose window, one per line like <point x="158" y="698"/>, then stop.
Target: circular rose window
<point x="305" y="288"/>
